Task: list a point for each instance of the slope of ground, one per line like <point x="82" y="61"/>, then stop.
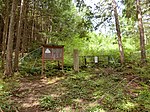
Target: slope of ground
<point x="95" y="90"/>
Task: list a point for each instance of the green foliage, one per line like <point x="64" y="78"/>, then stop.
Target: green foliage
<point x="96" y="90"/>
<point x="31" y="63"/>
<point x="47" y="102"/>
<point x="52" y="69"/>
<point x="130" y="9"/>
<point x="95" y="109"/>
<point x="101" y="15"/>
<point x="1" y="6"/>
<point x="144" y="99"/>
<point x="98" y="45"/>
<point x="26" y="71"/>
<point x="96" y="93"/>
<point x="34" y="46"/>
<point x="127" y="106"/>
<point x="64" y="22"/>
<point x="143" y="72"/>
<point x="4" y="97"/>
<point x="6" y="88"/>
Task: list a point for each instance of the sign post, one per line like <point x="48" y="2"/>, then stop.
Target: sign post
<point x="52" y="53"/>
<point x="76" y="60"/>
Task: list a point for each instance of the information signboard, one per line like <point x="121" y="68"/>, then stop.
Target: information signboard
<point x="52" y="52"/>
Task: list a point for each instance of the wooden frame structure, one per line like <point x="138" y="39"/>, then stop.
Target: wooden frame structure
<point x="52" y="52"/>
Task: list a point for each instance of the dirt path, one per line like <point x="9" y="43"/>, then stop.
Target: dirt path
<point x="26" y="97"/>
<point x="73" y="93"/>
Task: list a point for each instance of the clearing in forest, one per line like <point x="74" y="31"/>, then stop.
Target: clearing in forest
<point x="96" y="90"/>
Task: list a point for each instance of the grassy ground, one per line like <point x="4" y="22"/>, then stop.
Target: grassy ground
<point x="91" y="90"/>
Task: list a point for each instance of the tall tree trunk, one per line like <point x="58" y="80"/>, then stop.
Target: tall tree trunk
<point x="118" y="31"/>
<point x="9" y="70"/>
<point x="24" y="39"/>
<point x="5" y="34"/>
<point x="141" y="29"/>
<point x="1" y="30"/>
<point x="33" y="23"/>
<point x="17" y="49"/>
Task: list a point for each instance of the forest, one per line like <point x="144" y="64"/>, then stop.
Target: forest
<point x="74" y="56"/>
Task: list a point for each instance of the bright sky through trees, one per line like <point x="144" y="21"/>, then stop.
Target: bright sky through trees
<point x="92" y="3"/>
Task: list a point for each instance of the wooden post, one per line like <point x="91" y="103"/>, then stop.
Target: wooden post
<point x="42" y="60"/>
<point x="62" y="58"/>
<point x="76" y="60"/>
<point x="85" y="60"/>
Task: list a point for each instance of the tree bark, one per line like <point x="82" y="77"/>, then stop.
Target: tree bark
<point x="5" y="34"/>
<point x="118" y="31"/>
<point x="9" y="70"/>
<point x="33" y="23"/>
<point x="24" y="39"/>
<point x="17" y="49"/>
<point x="1" y="30"/>
<point x="141" y="29"/>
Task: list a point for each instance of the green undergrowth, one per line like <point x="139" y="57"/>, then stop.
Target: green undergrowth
<point x="7" y="87"/>
<point x="93" y="89"/>
<point x="99" y="90"/>
<point x="34" y="67"/>
<point x="96" y="88"/>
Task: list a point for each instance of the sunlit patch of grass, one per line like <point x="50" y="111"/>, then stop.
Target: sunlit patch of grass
<point x="66" y="109"/>
<point x="97" y="94"/>
<point x="81" y="76"/>
<point x="127" y="106"/>
<point x="93" y="104"/>
<point x="55" y="79"/>
<point x="78" y="100"/>
<point x="95" y="109"/>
